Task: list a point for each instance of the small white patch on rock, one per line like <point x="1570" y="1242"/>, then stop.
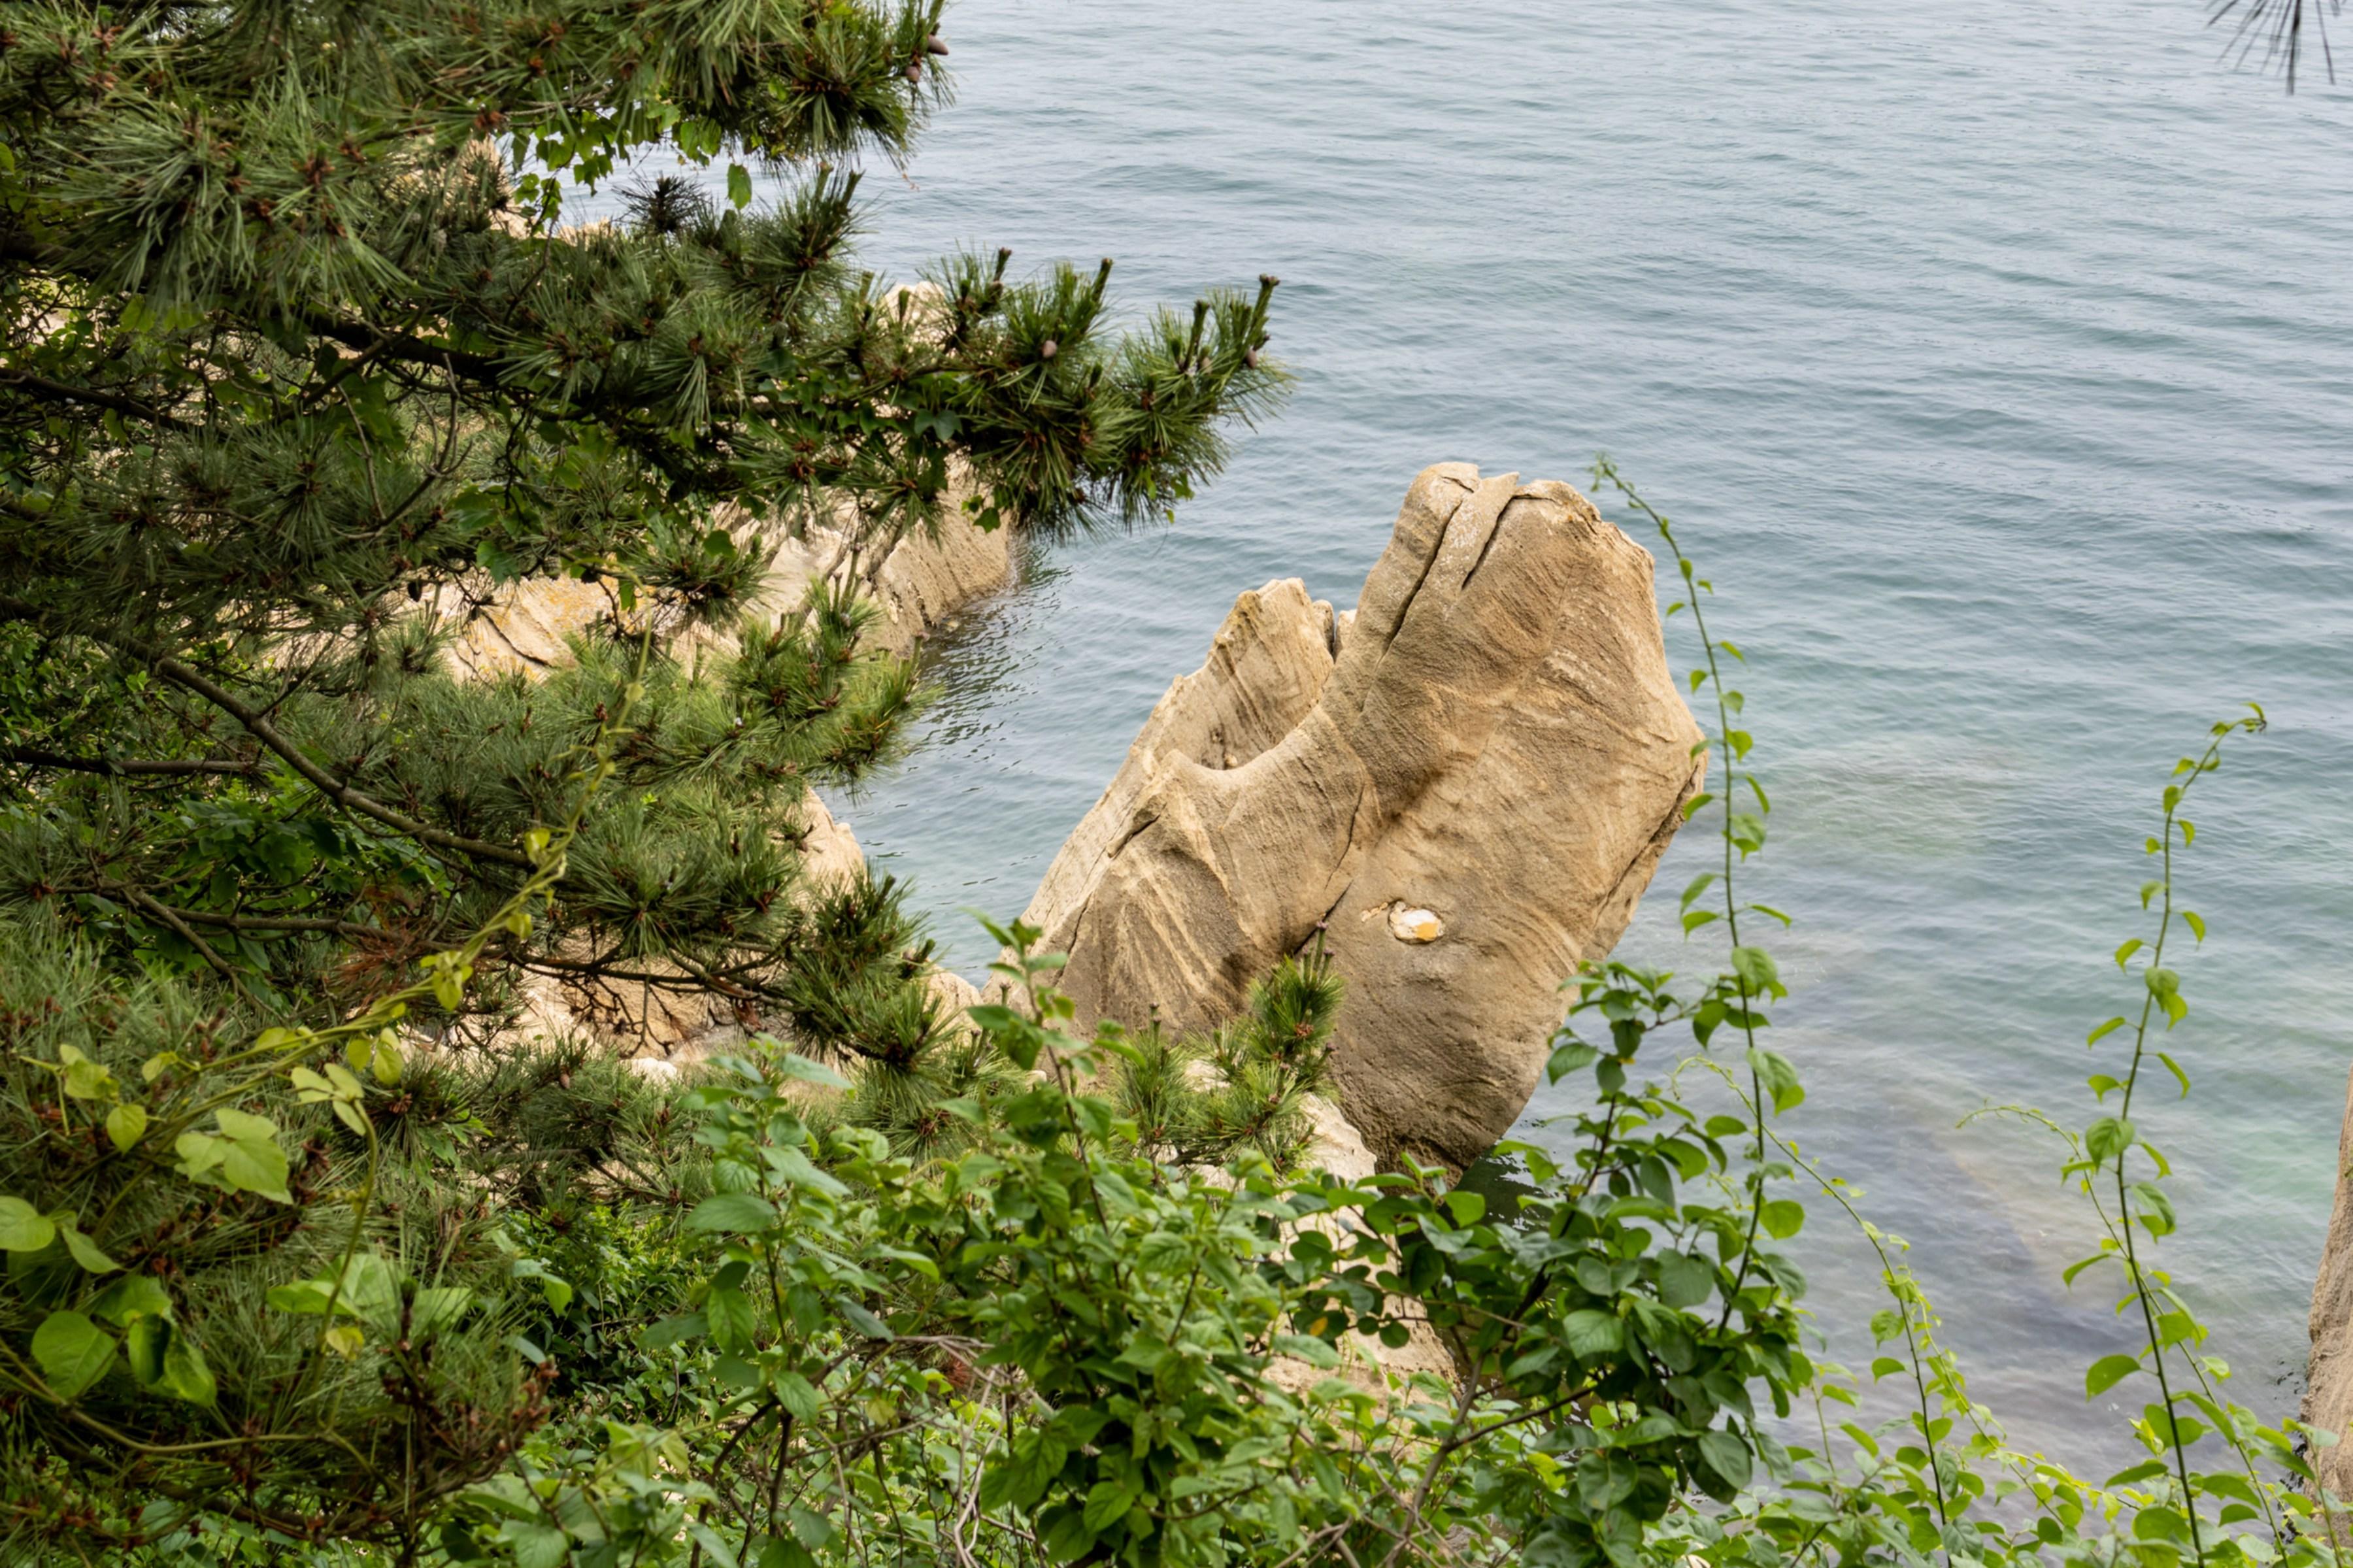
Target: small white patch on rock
<point x="1414" y="925"/>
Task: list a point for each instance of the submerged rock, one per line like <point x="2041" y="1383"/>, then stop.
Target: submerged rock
<point x="1463" y="787"/>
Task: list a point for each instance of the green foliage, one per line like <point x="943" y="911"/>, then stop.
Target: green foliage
<point x="301" y="363"/>
<point x="1018" y="1293"/>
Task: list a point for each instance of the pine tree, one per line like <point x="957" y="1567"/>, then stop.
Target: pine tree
<point x="295" y="355"/>
<point x="305" y="344"/>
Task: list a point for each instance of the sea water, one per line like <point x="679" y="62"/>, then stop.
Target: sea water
<point x="1995" y="360"/>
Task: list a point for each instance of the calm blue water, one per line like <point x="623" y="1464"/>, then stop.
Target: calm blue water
<point x="1996" y="358"/>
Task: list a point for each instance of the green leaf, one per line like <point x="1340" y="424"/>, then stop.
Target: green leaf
<point x="125" y="1125"/>
<point x="1684" y="1281"/>
<point x="304" y="1296"/>
<point x="1727" y="1456"/>
<point x="1757" y="972"/>
<point x="2106" y="1139"/>
<point x="729" y="1313"/>
<point x="2196" y="926"/>
<point x="733" y="1213"/>
<point x="1315" y="1352"/>
<point x="435" y="1307"/>
<point x="792" y="1165"/>
<point x="1570" y="1055"/>
<point x="1107" y="1502"/>
<point x="1592" y="1333"/>
<point x="1692" y="807"/>
<point x="248" y="1157"/>
<point x="1467" y="1208"/>
<point x="1699" y="885"/>
<point x="244" y="1124"/>
<point x="1776" y="1077"/>
<point x="2103" y="1031"/>
<point x="1782" y="1218"/>
<point x="536" y="1545"/>
<point x="797" y="1394"/>
<point x="84" y="1251"/>
<point x="131" y="1298"/>
<point x="865" y="1321"/>
<point x="24" y="1229"/>
<point x="2128" y="950"/>
<point x="144" y="1344"/>
<point x="739" y="186"/>
<point x="2106" y="1372"/>
<point x="1065" y="1535"/>
<point x="372" y="1289"/>
<point x="186" y="1375"/>
<point x="72" y="1352"/>
<point x="2156" y="1207"/>
<point x="672" y="1330"/>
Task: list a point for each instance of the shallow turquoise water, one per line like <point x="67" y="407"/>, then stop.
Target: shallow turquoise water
<point x="1996" y="360"/>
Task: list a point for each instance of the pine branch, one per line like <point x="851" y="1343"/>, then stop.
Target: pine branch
<point x="35" y="757"/>
<point x="262" y="729"/>
<point x="41" y="387"/>
<point x="272" y="922"/>
<point x="186" y="933"/>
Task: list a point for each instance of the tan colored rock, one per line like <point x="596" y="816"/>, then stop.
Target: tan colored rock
<point x="527" y="626"/>
<point x="831" y="855"/>
<point x="1497" y="751"/>
<point x="2328" y="1387"/>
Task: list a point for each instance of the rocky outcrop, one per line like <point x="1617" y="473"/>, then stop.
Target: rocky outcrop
<point x="2328" y="1386"/>
<point x="924" y="578"/>
<point x="527" y="626"/>
<point x="1463" y="786"/>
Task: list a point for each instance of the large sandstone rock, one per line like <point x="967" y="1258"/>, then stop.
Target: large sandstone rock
<point x="1465" y="785"/>
<point x="2328" y="1387"/>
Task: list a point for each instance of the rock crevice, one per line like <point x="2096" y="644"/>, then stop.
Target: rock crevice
<point x="1490" y="743"/>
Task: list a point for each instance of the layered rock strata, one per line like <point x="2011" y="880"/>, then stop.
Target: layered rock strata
<point x="1462" y="788"/>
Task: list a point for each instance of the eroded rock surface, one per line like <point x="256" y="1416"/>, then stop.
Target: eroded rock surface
<point x="1488" y="755"/>
<point x="2329" y="1388"/>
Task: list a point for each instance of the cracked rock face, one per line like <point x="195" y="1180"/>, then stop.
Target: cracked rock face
<point x="1466" y="781"/>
